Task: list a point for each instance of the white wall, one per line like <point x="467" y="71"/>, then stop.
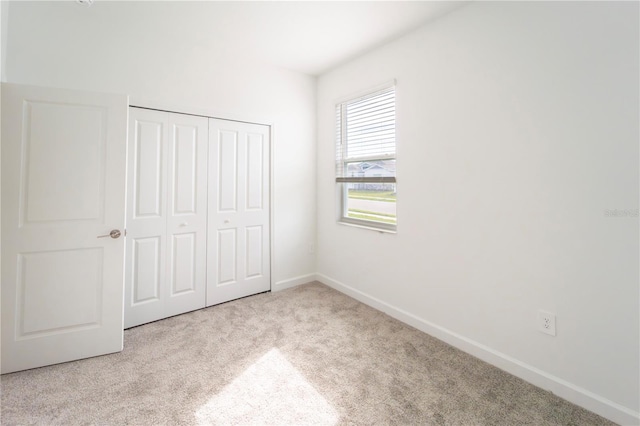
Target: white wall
<point x="517" y="127"/>
<point x="3" y="27"/>
<point x="4" y="5"/>
<point x="117" y="47"/>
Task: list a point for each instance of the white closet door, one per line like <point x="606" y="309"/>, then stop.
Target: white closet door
<point x="166" y="215"/>
<point x="238" y="230"/>
<point x="187" y="214"/>
<point x="63" y="186"/>
<point x="145" y="263"/>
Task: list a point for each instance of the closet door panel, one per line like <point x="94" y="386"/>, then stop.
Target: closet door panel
<point x="254" y="244"/>
<point x="147" y="164"/>
<point x="147" y="270"/>
<point x="145" y="264"/>
<point x="238" y="228"/>
<point x="256" y="211"/>
<point x="183" y="250"/>
<point x="255" y="174"/>
<point x="148" y="169"/>
<point x="227" y="171"/>
<point x="227" y="257"/>
<point x="167" y="215"/>
<point x="185" y="169"/>
<point x="187" y="217"/>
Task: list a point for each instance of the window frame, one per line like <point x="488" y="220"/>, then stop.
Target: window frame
<point x="342" y="160"/>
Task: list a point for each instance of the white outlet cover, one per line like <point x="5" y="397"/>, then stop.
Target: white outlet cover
<point x="547" y="323"/>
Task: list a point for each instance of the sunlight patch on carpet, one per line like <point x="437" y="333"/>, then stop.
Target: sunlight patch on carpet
<point x="271" y="391"/>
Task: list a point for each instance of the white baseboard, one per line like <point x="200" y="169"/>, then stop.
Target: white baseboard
<point x="568" y="391"/>
<point x="295" y="281"/>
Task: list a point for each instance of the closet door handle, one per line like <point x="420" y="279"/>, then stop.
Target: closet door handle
<point x="183" y="224"/>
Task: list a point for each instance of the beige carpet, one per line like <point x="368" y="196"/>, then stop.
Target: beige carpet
<point x="308" y="355"/>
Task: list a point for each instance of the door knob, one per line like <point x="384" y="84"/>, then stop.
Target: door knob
<point x="113" y="234"/>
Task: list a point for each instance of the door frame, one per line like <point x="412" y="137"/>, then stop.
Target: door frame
<point x="203" y="112"/>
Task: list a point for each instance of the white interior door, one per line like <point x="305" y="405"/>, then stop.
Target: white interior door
<point x="63" y="186"/>
<point x="238" y="240"/>
<point x="166" y="215"/>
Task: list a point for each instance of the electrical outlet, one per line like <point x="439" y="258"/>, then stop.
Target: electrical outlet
<point x="547" y="322"/>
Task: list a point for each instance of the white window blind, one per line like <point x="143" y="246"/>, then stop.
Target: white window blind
<point x="366" y="159"/>
<point x="365" y="130"/>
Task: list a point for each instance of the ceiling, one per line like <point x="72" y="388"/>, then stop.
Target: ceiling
<point x="306" y="36"/>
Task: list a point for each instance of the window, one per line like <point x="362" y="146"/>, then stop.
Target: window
<point x="366" y="159"/>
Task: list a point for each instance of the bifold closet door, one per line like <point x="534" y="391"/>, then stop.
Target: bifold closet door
<point x="238" y="240"/>
<point x="165" y="268"/>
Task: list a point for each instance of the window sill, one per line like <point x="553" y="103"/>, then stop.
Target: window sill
<point x="370" y="228"/>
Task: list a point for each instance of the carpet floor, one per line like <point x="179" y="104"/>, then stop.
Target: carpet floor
<point x="307" y="355"/>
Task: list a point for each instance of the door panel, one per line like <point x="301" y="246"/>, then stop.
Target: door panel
<point x="227" y="257"/>
<point x="187" y="218"/>
<point x="255" y="172"/>
<point x="44" y="283"/>
<point x="227" y="165"/>
<point x="63" y="170"/>
<point x="169" y="165"/>
<point x="145" y="263"/>
<point x="149" y="140"/>
<point x="184" y="263"/>
<point x="238" y="227"/>
<point x="147" y="267"/>
<point x="254" y="252"/>
<point x="185" y="170"/>
<point x="84" y="185"/>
